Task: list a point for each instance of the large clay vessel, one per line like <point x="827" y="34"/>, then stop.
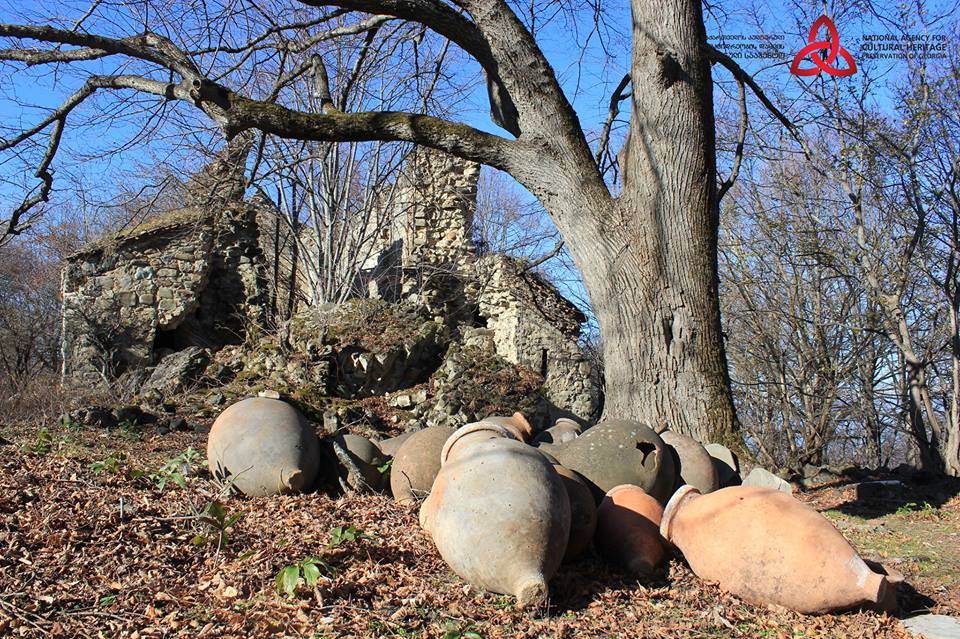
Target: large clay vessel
<point x="517" y="424"/>
<point x="263" y="447"/>
<point x="768" y="548"/>
<point x="500" y="517"/>
<point x="628" y="529"/>
<point x="620" y="452"/>
<point x="563" y="430"/>
<point x="417" y="463"/>
<point x="466" y="436"/>
<point x="391" y="446"/>
<point x="583" y="512"/>
<point x="692" y="462"/>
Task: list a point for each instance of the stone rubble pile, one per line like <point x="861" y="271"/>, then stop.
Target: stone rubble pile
<point x="506" y="506"/>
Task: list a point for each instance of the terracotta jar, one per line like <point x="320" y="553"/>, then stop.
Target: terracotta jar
<point x="620" y="452"/>
<point x="768" y="548"/>
<point x="391" y="446"/>
<point x="583" y="512"/>
<point x="563" y="430"/>
<point x="417" y="463"/>
<point x="517" y="424"/>
<point x="694" y="465"/>
<point x="263" y="447"/>
<point x="500" y="517"/>
<point x="464" y="437"/>
<point x="628" y="529"/>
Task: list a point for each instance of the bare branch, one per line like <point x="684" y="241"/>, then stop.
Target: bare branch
<point x="615" y="99"/>
<point x="741" y="136"/>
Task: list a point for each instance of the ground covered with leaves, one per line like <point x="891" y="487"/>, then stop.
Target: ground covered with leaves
<point x="123" y="534"/>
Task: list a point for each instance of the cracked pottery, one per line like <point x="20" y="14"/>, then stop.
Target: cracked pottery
<point x="619" y="452"/>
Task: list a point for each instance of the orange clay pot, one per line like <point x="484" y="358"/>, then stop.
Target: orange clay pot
<point x="768" y="548"/>
<point x="628" y="529"/>
<point x="517" y="424"/>
<point x="416" y="464"/>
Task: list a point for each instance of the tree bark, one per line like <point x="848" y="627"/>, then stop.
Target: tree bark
<point x="649" y="261"/>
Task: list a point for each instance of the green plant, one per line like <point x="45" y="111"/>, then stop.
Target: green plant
<point x="111" y="464"/>
<point x="340" y="535"/>
<point x="310" y="569"/>
<point x="175" y="470"/>
<point x="217" y="520"/>
<point x="44" y="441"/>
<point x="926" y="509"/>
<point x="71" y="425"/>
<point x="465" y="630"/>
<point x="386" y="467"/>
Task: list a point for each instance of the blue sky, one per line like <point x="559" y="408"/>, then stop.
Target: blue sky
<point x="588" y="62"/>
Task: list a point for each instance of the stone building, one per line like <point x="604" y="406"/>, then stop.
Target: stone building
<point x="196" y="279"/>
<point x="191" y="277"/>
<point x="428" y="256"/>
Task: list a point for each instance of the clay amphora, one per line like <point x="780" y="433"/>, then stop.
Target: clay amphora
<point x="389" y="447"/>
<point x="628" y="529"/>
<point x="500" y="517"/>
<point x="693" y="464"/>
<point x="620" y="452"/>
<point x="563" y="430"/>
<point x="365" y="456"/>
<point x="517" y="424"/>
<point x="417" y="463"/>
<point x="263" y="447"/>
<point x="464" y="437"/>
<point x="768" y="548"/>
<point x="583" y="512"/>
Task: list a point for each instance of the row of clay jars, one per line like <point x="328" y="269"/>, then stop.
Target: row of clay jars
<point x="768" y="548"/>
<point x="262" y="447"/>
<point x="619" y="452"/>
<point x="498" y="512"/>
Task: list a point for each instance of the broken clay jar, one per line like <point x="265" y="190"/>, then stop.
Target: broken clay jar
<point x="628" y="529"/>
<point x="619" y="452"/>
<point x="417" y="463"/>
<point x="263" y="447"/>
<point x="693" y="464"/>
<point x="583" y="512"/>
<point x="500" y="517"/>
<point x="517" y="424"/>
<point x="563" y="430"/>
<point x="768" y="548"/>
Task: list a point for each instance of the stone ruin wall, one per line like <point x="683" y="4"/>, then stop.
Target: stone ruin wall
<point x="535" y="326"/>
<point x="129" y="299"/>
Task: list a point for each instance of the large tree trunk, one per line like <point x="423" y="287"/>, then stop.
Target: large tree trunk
<point x="649" y="261"/>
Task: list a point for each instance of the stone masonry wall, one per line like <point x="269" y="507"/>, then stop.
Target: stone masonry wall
<point x="187" y="278"/>
<point x="535" y="326"/>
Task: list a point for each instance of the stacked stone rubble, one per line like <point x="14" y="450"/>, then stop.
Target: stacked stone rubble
<point x="187" y="278"/>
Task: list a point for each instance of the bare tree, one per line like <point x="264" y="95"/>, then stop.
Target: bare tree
<point x="648" y="256"/>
